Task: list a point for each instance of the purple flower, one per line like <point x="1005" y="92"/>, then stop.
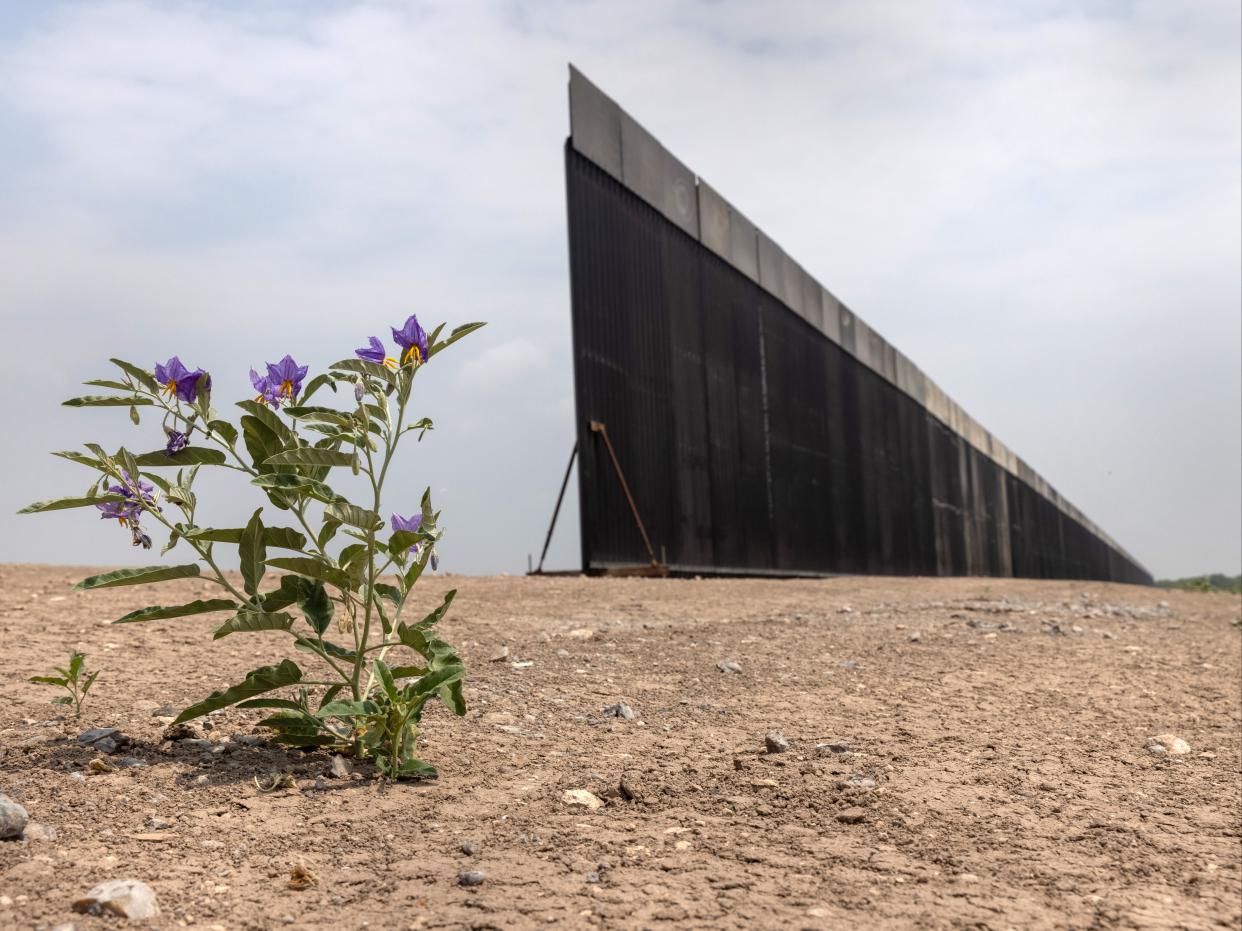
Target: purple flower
<point x="178" y="381"/>
<point x="129" y="510"/>
<point x="411" y="524"/>
<point x="412" y="340"/>
<point x="375" y="352"/>
<point x="176" y="442"/>
<point x="282" y="382"/>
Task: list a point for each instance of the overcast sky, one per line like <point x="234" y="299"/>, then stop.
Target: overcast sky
<point x="1040" y="203"/>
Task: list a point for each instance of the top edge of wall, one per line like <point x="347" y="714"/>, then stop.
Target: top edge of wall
<point x="601" y="131"/>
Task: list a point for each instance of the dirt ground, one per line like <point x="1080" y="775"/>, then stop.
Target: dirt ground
<point x="963" y="753"/>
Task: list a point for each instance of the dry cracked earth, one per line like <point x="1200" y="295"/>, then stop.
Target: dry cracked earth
<point x="956" y="753"/>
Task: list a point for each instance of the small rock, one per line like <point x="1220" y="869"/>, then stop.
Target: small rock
<point x="247" y="740"/>
<point x="99" y="765"/>
<point x="620" y="710"/>
<point x="211" y="844"/>
<point x="468" y="848"/>
<point x="36" y="832"/>
<point x="775" y="742"/>
<point x="65" y="926"/>
<point x="165" y="711"/>
<point x="471" y="877"/>
<point x="320" y="785"/>
<point x="728" y="665"/>
<point x="13" y="818"/>
<point x="127" y="898"/>
<point x="629" y="789"/>
<point x="340" y="768"/>
<point x="834" y="746"/>
<point x="202" y="779"/>
<point x="1167" y="743"/>
<point x="563" y="653"/>
<point x="582" y="633"/>
<point x="500" y="656"/>
<point x="186" y="731"/>
<point x="195" y="743"/>
<point x="104" y="739"/>
<point x="129" y="762"/>
<point x="592" y="878"/>
<point x="852" y="816"/>
<point x="916" y="637"/>
<point x="860" y="781"/>
<point x="157" y="824"/>
<point x="77" y="776"/>
<point x="582" y="797"/>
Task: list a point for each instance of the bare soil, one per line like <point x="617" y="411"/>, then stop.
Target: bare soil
<point x="1003" y="723"/>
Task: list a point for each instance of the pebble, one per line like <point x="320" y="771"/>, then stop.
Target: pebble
<point x="728" y="665"/>
<point x="129" y="762"/>
<point x="36" y="832"/>
<point x="835" y="746"/>
<point x="500" y="656"/>
<point x="775" y="742"/>
<point x="620" y="710"/>
<point x="582" y="797"/>
<point x="468" y="848"/>
<point x="860" y="781"/>
<point x="916" y="637"/>
<point x="126" y="898"/>
<point x="104" y="739"/>
<point x="563" y="653"/>
<point x="471" y="877"/>
<point x="13" y="818"/>
<point x="157" y="824"/>
<point x="1167" y="743"/>
<point x="247" y="740"/>
<point x="340" y="768"/>
<point x="852" y="816"/>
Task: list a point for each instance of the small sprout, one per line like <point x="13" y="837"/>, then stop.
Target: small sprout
<point x="72" y="681"/>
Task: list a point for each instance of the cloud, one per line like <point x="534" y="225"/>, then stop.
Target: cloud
<point x="1040" y="203"/>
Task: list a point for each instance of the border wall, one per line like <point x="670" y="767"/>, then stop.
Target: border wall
<point x="762" y="426"/>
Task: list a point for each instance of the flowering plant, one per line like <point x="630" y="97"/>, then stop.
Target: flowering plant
<point x="288" y="448"/>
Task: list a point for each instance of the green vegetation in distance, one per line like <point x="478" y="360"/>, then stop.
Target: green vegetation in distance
<point x="1216" y="582"/>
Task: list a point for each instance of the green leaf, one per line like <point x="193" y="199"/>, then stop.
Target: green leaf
<point x="314" y="567"/>
<point x="270" y="419"/>
<point x="307" y="645"/>
<point x="258" y="681"/>
<point x="330" y="693"/>
<point x="191" y="455"/>
<point x="90" y="680"/>
<point x="311" y="456"/>
<point x="49" y="680"/>
<point x="408" y="672"/>
<point x="458" y="332"/>
<point x="140" y="576"/>
<point x="319" y="381"/>
<point x="107" y="400"/>
<point x="315" y="604"/>
<point x="452" y="697"/>
<point x="297" y="484"/>
<point x="251" y="621"/>
<point x="391" y="592"/>
<point x="363" y="367"/>
<point x="252" y="553"/>
<point x="59" y="504"/>
<point x="353" y="515"/>
<point x="417" y="769"/>
<point x="438" y="614"/>
<point x="159" y="613"/>
<point x="327" y="532"/>
<point x="107" y="383"/>
<point x="75" y="664"/>
<point x="384" y="676"/>
<point x="438" y="678"/>
<point x="286" y="703"/>
<point x="143" y="377"/>
<point x="133" y="415"/>
<point x="224" y="429"/>
<point x="81" y="458"/>
<point x="401" y="541"/>
<point x="284" y="537"/>
<point x="347" y="708"/>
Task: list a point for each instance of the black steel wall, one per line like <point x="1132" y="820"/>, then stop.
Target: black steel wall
<point x="754" y="444"/>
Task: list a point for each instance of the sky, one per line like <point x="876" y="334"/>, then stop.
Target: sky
<point x="1039" y="202"/>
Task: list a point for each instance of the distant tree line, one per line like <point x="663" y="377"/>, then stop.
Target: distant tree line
<point x="1216" y="582"/>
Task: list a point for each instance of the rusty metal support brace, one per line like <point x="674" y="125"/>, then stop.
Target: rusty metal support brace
<point x="597" y="427"/>
<point x="557" y="510"/>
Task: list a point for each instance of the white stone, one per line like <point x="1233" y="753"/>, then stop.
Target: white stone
<point x="127" y="898"/>
<point x="582" y="797"/>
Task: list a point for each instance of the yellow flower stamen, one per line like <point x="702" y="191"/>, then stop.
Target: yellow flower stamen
<point x="286" y="389"/>
<point x="390" y="362"/>
<point x="412" y="355"/>
<point x="171" y="387"/>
